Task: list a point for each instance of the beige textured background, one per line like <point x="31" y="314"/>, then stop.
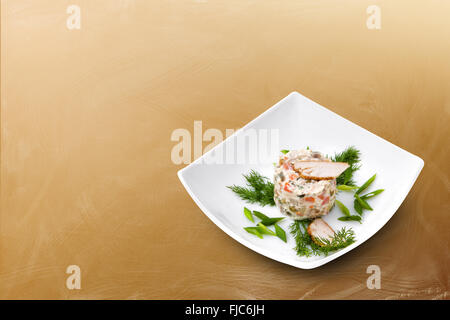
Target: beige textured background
<point x="86" y="119"/>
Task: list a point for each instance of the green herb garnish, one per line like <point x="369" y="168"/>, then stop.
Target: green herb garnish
<point x="366" y="184"/>
<point x="284" y="151"/>
<point x="260" y="215"/>
<point x="351" y="155"/>
<point x="280" y="233"/>
<point x="350" y="218"/>
<point x="343" y="208"/>
<point x="305" y="246"/>
<point x="357" y="207"/>
<point x="342" y="238"/>
<point x="347" y="216"/>
<point x="371" y="194"/>
<point x="262" y="227"/>
<point x="264" y="230"/>
<point x="248" y="214"/>
<point x="265" y="220"/>
<point x="254" y="230"/>
<point x="259" y="189"/>
<point x="344" y="187"/>
<point x="271" y="221"/>
<point x="363" y="203"/>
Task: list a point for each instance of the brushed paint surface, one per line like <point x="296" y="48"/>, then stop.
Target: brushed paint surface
<point x="86" y="117"/>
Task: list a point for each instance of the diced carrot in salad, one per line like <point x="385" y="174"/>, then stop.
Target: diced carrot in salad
<point x="286" y="187"/>
<point x="326" y="200"/>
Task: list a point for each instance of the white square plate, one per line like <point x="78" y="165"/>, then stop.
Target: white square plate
<point x="300" y="123"/>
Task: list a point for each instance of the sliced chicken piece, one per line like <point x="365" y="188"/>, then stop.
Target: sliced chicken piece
<point x="319" y="229"/>
<point x="320" y="170"/>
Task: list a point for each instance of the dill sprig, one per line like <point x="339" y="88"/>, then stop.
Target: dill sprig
<point x="305" y="246"/>
<point x="342" y="238"/>
<point x="259" y="189"/>
<point x="350" y="155"/>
